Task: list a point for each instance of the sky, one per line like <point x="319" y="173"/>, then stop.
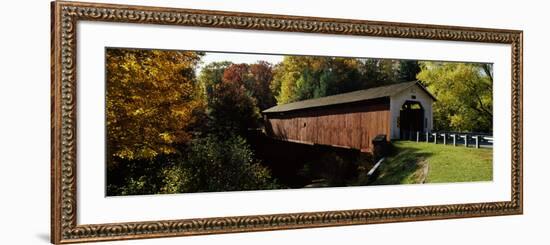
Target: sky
<point x="237" y="58"/>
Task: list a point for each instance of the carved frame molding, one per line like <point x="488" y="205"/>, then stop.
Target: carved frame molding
<point x="65" y="15"/>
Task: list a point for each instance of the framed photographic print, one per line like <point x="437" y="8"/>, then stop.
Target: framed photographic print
<point x="175" y="122"/>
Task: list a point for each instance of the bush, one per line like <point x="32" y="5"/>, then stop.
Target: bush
<point x="214" y="163"/>
<point x="211" y="163"/>
<point x="145" y="176"/>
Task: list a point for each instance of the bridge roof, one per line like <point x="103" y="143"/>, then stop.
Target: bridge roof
<point x="355" y="96"/>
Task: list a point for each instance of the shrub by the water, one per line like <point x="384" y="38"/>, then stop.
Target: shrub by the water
<point x="215" y="163"/>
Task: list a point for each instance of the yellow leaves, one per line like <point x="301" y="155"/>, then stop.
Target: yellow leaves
<point x="175" y="178"/>
<point x="138" y="112"/>
<point x="150" y="101"/>
<point x="464" y="93"/>
<point x="146" y="153"/>
<point x="167" y="137"/>
<point x="457" y="122"/>
<point x="165" y="149"/>
<point x="288" y="87"/>
<point x="125" y="153"/>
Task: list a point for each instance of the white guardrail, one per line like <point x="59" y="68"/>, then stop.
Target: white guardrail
<point x="476" y="140"/>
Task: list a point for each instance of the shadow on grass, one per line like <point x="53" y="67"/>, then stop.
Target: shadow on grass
<point x="400" y="166"/>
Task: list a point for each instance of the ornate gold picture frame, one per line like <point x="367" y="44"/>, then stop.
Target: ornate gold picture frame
<point x="66" y="15"/>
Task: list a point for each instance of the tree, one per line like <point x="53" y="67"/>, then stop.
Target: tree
<point x="380" y="72"/>
<point x="144" y="176"/>
<point x="286" y="75"/>
<point x="343" y="74"/>
<point x="152" y="102"/>
<point x="388" y="71"/>
<point x="306" y="77"/>
<point x="210" y="163"/>
<point x="215" y="163"/>
<point x="326" y="82"/>
<point x="210" y="75"/>
<point x="238" y="73"/>
<point x="464" y="93"/>
<point x="370" y="72"/>
<point x="261" y="75"/>
<point x="236" y="93"/>
<point x="408" y="69"/>
<point x="232" y="107"/>
<point x="306" y="87"/>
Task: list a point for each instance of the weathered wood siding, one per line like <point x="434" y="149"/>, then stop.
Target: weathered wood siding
<point x="350" y="125"/>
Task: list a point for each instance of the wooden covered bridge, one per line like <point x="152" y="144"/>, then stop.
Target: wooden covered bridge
<point x="353" y="119"/>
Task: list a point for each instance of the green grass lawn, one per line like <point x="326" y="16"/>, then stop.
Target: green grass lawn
<point x="412" y="162"/>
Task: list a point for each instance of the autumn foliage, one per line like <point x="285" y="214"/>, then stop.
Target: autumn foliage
<point x="163" y="124"/>
<point x="151" y="101"/>
<point x="173" y="129"/>
<point x="305" y="77"/>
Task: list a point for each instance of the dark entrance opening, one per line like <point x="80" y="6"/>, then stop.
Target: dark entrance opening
<point x="411" y="119"/>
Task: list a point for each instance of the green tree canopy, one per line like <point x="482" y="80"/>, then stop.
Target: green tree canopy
<point x="464" y="92"/>
<point x="305" y="77"/>
<point x="408" y="69"/>
<point x="210" y="75"/>
<point x="220" y="164"/>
